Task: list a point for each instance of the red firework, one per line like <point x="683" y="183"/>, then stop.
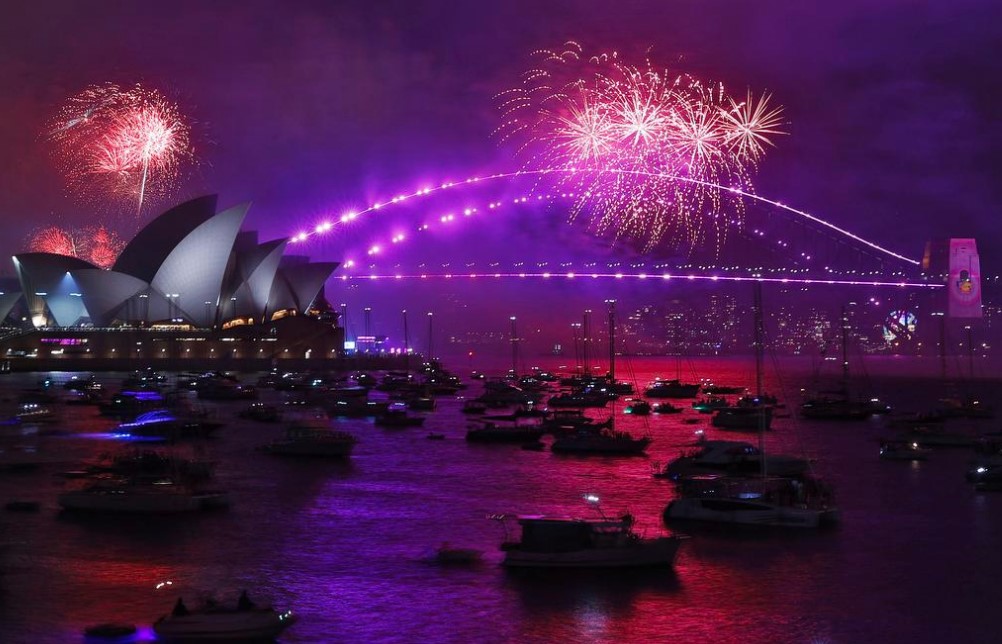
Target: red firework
<point x="121" y="144"/>
<point x="97" y="244"/>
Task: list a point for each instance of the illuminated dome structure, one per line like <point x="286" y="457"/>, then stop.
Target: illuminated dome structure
<point x="190" y="266"/>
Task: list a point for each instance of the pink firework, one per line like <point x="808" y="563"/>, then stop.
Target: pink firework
<point x="118" y="143"/>
<point x="654" y="155"/>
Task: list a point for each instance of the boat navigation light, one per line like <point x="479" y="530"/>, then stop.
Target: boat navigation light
<point x="164" y="583"/>
<point x="591" y="498"/>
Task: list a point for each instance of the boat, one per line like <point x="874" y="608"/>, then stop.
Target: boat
<point x="261" y="412"/>
<point x="311" y="435"/>
<point x="759" y="501"/>
<point x="474" y="407"/>
<point x="560" y="421"/>
<point x="671" y="389"/>
<point x="638" y="408"/>
<point x="903" y="451"/>
<point x="580" y="399"/>
<point x="31" y="412"/>
<point x="450" y="556"/>
<point x="163" y="496"/>
<point x="710" y="388"/>
<point x="394" y="417"/>
<point x="743" y="418"/>
<point x="499" y="393"/>
<point x="490" y="432"/>
<point x="213" y="623"/>
<point x="730" y="457"/>
<point x="600" y="441"/>
<point x="110" y="630"/>
<point x="666" y="408"/>
<point x="838" y="405"/>
<point x="708" y="404"/>
<point x="563" y="542"/>
<point x="169" y="425"/>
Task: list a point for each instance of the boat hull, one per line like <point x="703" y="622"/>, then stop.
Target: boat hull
<point x="113" y="501"/>
<point x="232" y="626"/>
<point x="741" y="512"/>
<point x="643" y="553"/>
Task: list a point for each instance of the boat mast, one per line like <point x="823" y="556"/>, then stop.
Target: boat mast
<point x="759" y="352"/>
<point x="612" y="340"/>
<point x="586" y="340"/>
<point x="845" y="351"/>
<point x="514" y="347"/>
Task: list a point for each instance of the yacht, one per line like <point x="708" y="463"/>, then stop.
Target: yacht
<point x="312" y="436"/>
<point x="600" y="441"/>
<point x="556" y="542"/>
<point x="169" y="425"/>
<point x="743" y="418"/>
<point x="763" y="501"/>
<point x="671" y="389"/>
<point x="730" y="457"/>
<point x="490" y="432"/>
<point x="161" y="496"/>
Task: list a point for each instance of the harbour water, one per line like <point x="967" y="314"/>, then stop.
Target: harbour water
<point x="348" y="545"/>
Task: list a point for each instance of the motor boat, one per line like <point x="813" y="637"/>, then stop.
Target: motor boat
<point x="312" y="435"/>
<point x="252" y="624"/>
<point x="601" y="441"/>
<point x="730" y="457"/>
<point x="672" y="389"/>
<point x="903" y="451"/>
<point x="159" y="497"/>
<point x="557" y="542"/>
<point x="758" y="501"/>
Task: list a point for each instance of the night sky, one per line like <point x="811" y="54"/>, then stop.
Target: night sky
<point x="310" y="108"/>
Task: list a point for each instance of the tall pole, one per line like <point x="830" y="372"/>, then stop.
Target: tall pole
<point x="970" y="351"/>
<point x="586" y="340"/>
<point x="431" y="354"/>
<point x="845" y="349"/>
<point x="612" y="340"/>
<point x="406" y="343"/>
<point x="514" y="347"/>
<point x="759" y="335"/>
<point x="759" y="352"/>
<point x="942" y="346"/>
<point x="368" y="335"/>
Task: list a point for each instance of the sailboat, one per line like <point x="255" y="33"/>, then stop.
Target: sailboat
<point x="761" y="500"/>
<point x="602" y="438"/>
<point x="837" y="404"/>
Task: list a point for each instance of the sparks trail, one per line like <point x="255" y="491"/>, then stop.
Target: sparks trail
<point x="116" y="144"/>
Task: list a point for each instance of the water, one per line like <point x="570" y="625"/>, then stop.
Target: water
<point x="346" y="545"/>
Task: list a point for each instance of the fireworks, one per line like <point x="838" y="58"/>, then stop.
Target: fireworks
<point x="97" y="245"/>
<point x="124" y="144"/>
<point x="655" y="156"/>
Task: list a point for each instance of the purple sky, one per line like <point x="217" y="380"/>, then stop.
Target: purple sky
<point x="306" y="108"/>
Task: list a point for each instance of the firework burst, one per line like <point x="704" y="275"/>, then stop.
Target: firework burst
<point x="95" y="244"/>
<point x="121" y="145"/>
<point x="654" y="156"/>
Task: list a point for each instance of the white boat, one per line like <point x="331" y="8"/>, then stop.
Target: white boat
<point x="224" y="624"/>
<point x="775" y="502"/>
<point x="552" y="542"/>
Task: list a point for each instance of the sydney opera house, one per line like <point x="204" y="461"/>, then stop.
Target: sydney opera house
<point x="191" y="286"/>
